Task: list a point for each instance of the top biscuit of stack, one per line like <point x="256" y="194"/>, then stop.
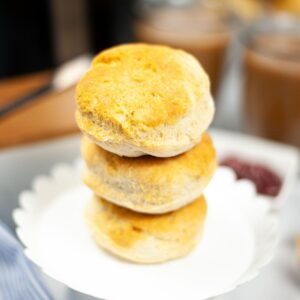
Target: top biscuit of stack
<point x="139" y="99"/>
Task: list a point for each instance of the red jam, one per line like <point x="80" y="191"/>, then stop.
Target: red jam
<point x="266" y="181"/>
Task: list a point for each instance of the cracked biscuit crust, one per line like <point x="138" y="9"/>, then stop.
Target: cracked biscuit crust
<point x="147" y="99"/>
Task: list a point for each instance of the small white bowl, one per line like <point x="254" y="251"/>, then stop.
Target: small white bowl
<point x="281" y="158"/>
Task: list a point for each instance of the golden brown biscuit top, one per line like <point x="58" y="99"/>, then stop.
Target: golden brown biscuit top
<point x="139" y="85"/>
<point x="125" y="227"/>
<point x="197" y="162"/>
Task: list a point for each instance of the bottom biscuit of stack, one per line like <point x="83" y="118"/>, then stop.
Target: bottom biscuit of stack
<point x="145" y="238"/>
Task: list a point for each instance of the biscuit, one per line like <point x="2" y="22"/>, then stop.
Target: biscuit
<point x="139" y="99"/>
<point x="146" y="238"/>
<point x="149" y="184"/>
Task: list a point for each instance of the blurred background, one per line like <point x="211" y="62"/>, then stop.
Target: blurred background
<point x="249" y="48"/>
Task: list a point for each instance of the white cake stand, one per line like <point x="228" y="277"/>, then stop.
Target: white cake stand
<point x="240" y="237"/>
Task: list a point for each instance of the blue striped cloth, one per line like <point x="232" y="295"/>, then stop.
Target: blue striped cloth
<point x="18" y="280"/>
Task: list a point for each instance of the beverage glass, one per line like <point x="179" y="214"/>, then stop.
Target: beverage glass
<point x="271" y="62"/>
<point x="194" y="27"/>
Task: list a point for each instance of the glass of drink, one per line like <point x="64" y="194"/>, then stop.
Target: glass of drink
<point x="200" y="29"/>
<point x="272" y="79"/>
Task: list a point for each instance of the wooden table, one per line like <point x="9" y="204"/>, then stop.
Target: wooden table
<point x="50" y="115"/>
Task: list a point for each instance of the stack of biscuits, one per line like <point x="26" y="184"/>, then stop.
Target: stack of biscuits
<point x="144" y="111"/>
